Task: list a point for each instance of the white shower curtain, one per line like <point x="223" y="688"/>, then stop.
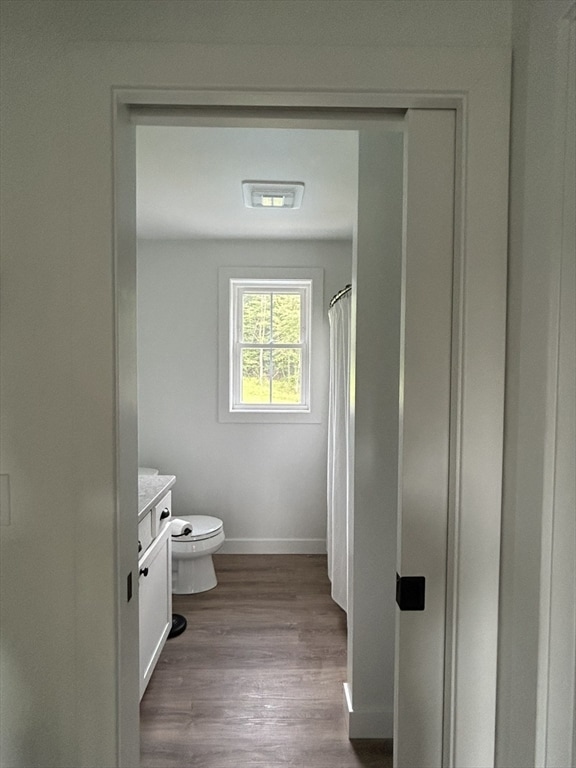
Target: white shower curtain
<point x="338" y="449"/>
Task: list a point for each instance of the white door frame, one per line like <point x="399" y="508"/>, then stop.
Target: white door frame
<point x="478" y="375"/>
<point x="426" y="418"/>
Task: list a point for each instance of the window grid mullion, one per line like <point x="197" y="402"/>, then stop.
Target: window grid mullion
<point x="257" y="345"/>
<point x="271" y="356"/>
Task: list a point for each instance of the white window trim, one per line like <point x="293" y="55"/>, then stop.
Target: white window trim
<point x="228" y="408"/>
<point x="238" y="288"/>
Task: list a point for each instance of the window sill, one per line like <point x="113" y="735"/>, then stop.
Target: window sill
<point x="268" y="417"/>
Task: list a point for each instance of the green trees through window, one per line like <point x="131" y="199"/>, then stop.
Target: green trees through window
<point x="271" y="347"/>
<point x="267" y="318"/>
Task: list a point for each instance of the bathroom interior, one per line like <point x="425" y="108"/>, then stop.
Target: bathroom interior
<point x="266" y="483"/>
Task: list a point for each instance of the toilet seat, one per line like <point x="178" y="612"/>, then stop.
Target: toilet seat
<point x="203" y="527"/>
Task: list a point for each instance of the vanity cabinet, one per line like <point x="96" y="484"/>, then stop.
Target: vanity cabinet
<point x="154" y="583"/>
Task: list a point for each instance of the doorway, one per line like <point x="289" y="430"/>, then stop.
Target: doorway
<point x="192" y="284"/>
<point x="126" y="141"/>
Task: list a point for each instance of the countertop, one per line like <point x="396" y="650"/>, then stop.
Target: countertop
<point x="151" y="489"/>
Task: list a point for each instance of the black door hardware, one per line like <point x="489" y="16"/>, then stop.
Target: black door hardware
<point x="410" y="592"/>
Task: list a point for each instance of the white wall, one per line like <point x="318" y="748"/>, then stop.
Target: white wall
<point x="267" y="482"/>
<point x="537" y="621"/>
<point x="59" y="61"/>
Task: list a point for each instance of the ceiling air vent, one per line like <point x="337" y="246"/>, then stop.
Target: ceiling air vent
<point x="272" y="194"/>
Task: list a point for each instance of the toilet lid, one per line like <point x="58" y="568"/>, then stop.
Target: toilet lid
<point x="203" y="527"/>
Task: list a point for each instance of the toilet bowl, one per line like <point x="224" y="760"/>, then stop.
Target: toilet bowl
<point x="192" y="550"/>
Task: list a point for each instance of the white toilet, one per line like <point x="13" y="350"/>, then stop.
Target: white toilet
<point x="192" y="550"/>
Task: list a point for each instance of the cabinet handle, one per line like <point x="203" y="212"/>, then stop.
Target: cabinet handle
<point x="164" y="514"/>
<point x="143" y="571"/>
<point x="139" y="546"/>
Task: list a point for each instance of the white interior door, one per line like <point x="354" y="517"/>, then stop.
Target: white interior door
<point x="403" y="291"/>
<point x="424" y="461"/>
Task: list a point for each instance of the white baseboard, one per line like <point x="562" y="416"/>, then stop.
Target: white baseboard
<point x="368" y="723"/>
<point x="274" y="547"/>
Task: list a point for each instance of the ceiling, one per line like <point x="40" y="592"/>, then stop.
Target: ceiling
<point x="189" y="182"/>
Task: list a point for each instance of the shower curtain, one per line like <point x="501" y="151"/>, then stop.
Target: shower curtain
<point x="339" y="449"/>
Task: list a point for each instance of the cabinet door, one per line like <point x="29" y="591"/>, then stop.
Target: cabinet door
<point x="155" y="593"/>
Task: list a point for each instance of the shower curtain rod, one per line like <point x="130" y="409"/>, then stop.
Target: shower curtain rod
<point x="338" y="296"/>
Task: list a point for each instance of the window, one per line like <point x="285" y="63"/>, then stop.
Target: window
<point x="272" y="345"/>
<point x="269" y="345"/>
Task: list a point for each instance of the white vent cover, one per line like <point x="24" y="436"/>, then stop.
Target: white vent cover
<point x="272" y="194"/>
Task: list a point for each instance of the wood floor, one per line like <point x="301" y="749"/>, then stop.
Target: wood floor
<point x="255" y="681"/>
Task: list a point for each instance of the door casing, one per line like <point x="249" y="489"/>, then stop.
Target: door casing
<point x="476" y="408"/>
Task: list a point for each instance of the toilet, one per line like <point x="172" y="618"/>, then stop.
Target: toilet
<point x="195" y="538"/>
<point x="192" y="566"/>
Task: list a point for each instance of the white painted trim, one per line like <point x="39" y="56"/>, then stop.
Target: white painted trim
<point x="274" y="547"/>
<point x="478" y="378"/>
<point x="456" y="426"/>
<point x="203" y="116"/>
<point x="145" y="101"/>
<point x="479" y="77"/>
<point x="556" y="606"/>
<point x="126" y="437"/>
<point x="426" y="416"/>
<point x="367" y="723"/>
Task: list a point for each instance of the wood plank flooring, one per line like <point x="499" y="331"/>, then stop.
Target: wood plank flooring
<point x="255" y="681"/>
